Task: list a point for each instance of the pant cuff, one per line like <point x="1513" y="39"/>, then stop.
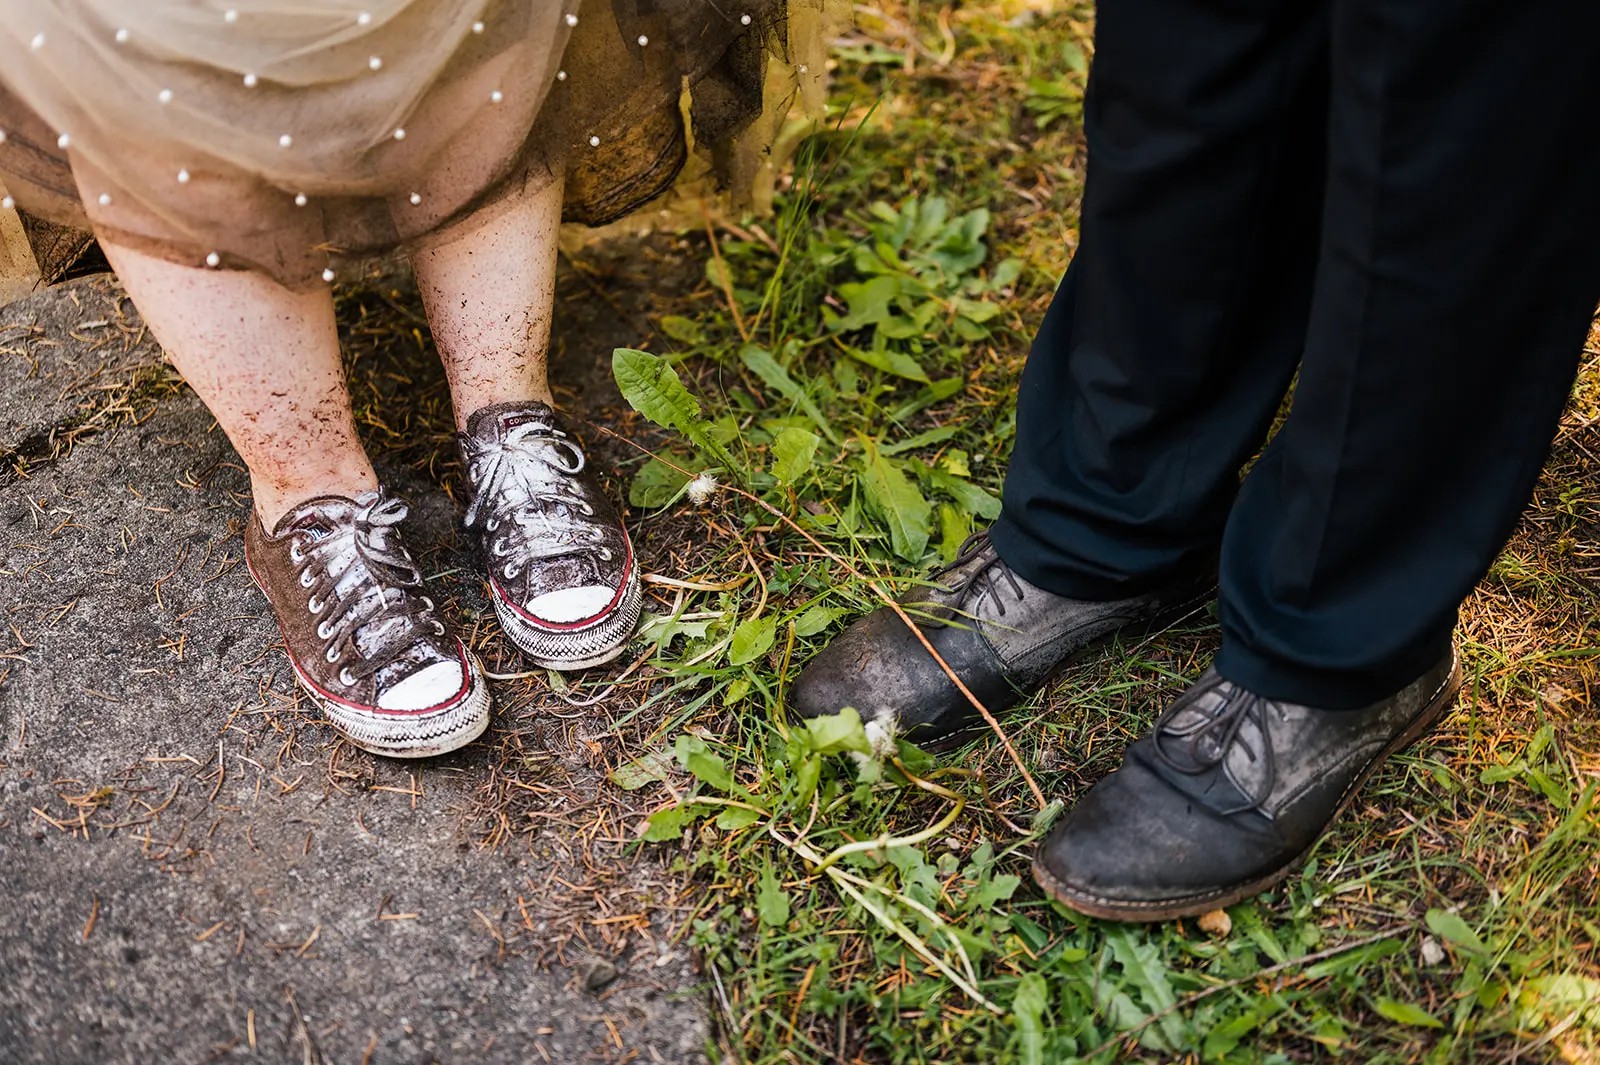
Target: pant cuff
<point x="1324" y="689"/>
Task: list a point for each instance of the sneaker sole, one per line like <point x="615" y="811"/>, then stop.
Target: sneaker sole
<point x="1142" y="912"/>
<point x="584" y="648"/>
<point x="412" y="736"/>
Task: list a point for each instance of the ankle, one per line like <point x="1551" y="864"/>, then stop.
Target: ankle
<point x="467" y="405"/>
<point x="275" y="498"/>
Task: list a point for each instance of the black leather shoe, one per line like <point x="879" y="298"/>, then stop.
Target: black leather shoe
<point x="1224" y="797"/>
<point x="1001" y="635"/>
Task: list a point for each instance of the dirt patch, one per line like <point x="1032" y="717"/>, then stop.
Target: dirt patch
<point x="198" y="869"/>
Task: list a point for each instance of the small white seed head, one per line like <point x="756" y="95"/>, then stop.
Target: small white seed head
<point x="702" y="488"/>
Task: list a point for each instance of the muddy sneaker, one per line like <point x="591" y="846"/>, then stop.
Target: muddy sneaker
<point x="561" y="567"/>
<point x="363" y="637"/>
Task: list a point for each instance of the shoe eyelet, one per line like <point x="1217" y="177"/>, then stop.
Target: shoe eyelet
<point x="587" y="509"/>
<point x="427" y="602"/>
<point x="346" y="679"/>
<point x="332" y="655"/>
<point x="294" y="554"/>
<point x="323" y="632"/>
<point x="314" y="605"/>
<point x="306" y="579"/>
<point x="494" y="523"/>
<point x="438" y="629"/>
<point x="605" y="553"/>
<point x="510" y="573"/>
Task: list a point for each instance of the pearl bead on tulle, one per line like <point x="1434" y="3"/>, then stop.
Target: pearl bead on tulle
<point x="363" y="19"/>
<point x="165" y="96"/>
<point x="594" y="142"/>
<point x="250" y="81"/>
<point x="300" y="199"/>
<point x="37" y="42"/>
<point x="400" y="134"/>
<point x="105" y="199"/>
<point x="375" y="63"/>
<point x="230" y="16"/>
<point x="477" y="27"/>
<point x="285" y="141"/>
<point x="2" y="136"/>
<point x="643" y="40"/>
<point x="213" y="260"/>
<point x="496" y="96"/>
<point x="744" y="20"/>
<point x="183" y="177"/>
<point x="64" y="141"/>
<point x="122" y="36"/>
<point x="416" y="198"/>
<point x="7" y="203"/>
<point x="327" y="275"/>
<point x="572" y="20"/>
<point x="561" y="75"/>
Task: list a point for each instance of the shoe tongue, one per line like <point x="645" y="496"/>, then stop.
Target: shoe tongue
<point x="319" y="515"/>
<point x="502" y="421"/>
<point x="1200" y="705"/>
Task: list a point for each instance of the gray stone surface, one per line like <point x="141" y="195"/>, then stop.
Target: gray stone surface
<point x="194" y="869"/>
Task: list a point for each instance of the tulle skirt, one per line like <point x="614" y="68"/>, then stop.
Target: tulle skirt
<point x="277" y="135"/>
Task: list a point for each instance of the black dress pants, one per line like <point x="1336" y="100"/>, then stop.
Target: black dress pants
<point x="1400" y="200"/>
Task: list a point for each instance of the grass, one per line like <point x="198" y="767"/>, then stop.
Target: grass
<point x="847" y="373"/>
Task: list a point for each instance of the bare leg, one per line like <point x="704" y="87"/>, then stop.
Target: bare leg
<point x="489" y="286"/>
<point x="265" y="359"/>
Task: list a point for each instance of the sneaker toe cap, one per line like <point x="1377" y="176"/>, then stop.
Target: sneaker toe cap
<point x="567" y="605"/>
<point x="427" y="687"/>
